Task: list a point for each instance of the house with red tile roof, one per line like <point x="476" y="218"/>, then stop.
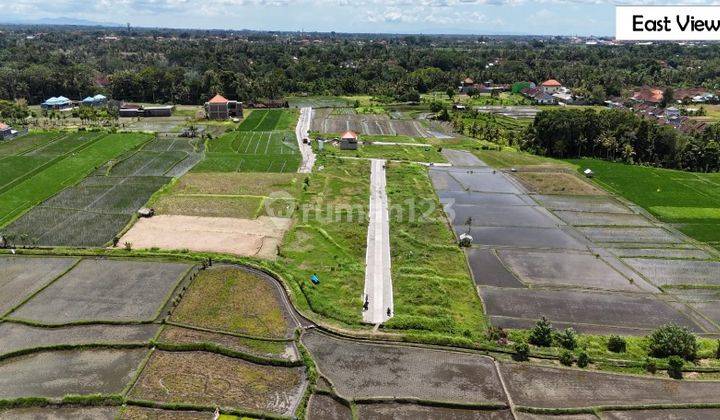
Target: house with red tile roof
<point x="649" y="96"/>
<point x="551" y="86"/>
<point x="349" y="141"/>
<point x="220" y="108"/>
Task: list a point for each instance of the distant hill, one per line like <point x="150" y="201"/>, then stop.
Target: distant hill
<point x="59" y="21"/>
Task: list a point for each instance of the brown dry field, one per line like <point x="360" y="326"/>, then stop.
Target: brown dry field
<point x="209" y="206"/>
<point x="236" y="183"/>
<point x="231" y="299"/>
<point x="179" y="335"/>
<point x="142" y="413"/>
<point x="556" y="183"/>
<point x="213" y="380"/>
<point x="252" y="238"/>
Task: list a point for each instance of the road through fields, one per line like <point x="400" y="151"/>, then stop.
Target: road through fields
<point x="301" y="131"/>
<point x="378" y="283"/>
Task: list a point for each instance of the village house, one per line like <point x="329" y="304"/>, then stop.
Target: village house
<point x="219" y="108"/>
<point x="539" y="96"/>
<point x="551" y="86"/>
<point x="648" y="96"/>
<point x="349" y="141"/>
<point x="467" y="85"/>
<point x="5" y="131"/>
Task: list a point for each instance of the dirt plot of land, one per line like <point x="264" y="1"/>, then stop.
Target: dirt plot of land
<point x="556" y="183"/>
<point x="215" y="380"/>
<point x="105" y="290"/>
<point x="576" y="218"/>
<point x="548" y="387"/>
<point x="488" y="270"/>
<point x="522" y="237"/>
<point x="382" y="125"/>
<point x="55" y="374"/>
<point x="209" y="206"/>
<point x="630" y="235"/>
<point x="367" y="370"/>
<point x="420" y="412"/>
<point x="60" y="413"/>
<point x="664" y="414"/>
<point x="259" y="237"/>
<point x="614" y="312"/>
<point x="564" y="269"/>
<point x="14" y="337"/>
<point x="676" y="272"/>
<point x="231" y="299"/>
<point x="20" y="277"/>
<point x="142" y="413"/>
<point x="260" y="184"/>
<point x="582" y="203"/>
<point x="277" y="349"/>
<point x="324" y="407"/>
<point x="661" y="253"/>
<point x="528" y="416"/>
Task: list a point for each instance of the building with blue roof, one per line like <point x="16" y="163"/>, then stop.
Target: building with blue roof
<point x="60" y="102"/>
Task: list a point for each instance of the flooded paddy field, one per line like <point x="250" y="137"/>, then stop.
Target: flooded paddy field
<point x="536" y="253"/>
<point x="360" y="370"/>
<point x="391" y="411"/>
<point x="55" y="374"/>
<point x="20" y="277"/>
<point x="326" y="407"/>
<point x="549" y="387"/>
<point x="105" y="290"/>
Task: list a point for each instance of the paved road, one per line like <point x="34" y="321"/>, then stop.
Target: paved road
<point x="301" y="132"/>
<point x="378" y="282"/>
<point x="462" y="158"/>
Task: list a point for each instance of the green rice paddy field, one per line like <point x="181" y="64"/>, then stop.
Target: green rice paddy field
<point x="690" y="201"/>
<point x="269" y="120"/>
<point x="251" y="151"/>
<point x="264" y="142"/>
<point x="39" y="165"/>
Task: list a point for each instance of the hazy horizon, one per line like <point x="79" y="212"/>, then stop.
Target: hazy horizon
<point x="465" y="17"/>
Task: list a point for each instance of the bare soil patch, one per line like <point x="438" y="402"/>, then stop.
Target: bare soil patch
<point x="234" y="183"/>
<point x="179" y="335"/>
<point x="547" y="387"/>
<point x="142" y="413"/>
<point x="259" y="237"/>
<point x="560" y="183"/>
<point x="359" y="370"/>
<point x="60" y="413"/>
<point x="420" y="412"/>
<point x="215" y="380"/>
<point x="327" y="408"/>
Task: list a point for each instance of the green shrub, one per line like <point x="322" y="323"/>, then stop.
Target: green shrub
<point x="675" y="365"/>
<point x="496" y="333"/>
<point x="617" y="344"/>
<point x="717" y="351"/>
<point x="672" y="340"/>
<point x="583" y="359"/>
<point x="567" y="358"/>
<point x="650" y="365"/>
<point x="522" y="352"/>
<point x="566" y="339"/>
<point x="542" y="334"/>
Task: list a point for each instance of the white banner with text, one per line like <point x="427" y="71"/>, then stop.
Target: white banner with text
<point x="667" y="23"/>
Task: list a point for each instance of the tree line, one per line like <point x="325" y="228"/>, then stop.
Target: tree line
<point x="172" y="66"/>
<point x="621" y="135"/>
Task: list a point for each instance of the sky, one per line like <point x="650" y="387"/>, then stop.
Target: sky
<point x="534" y="17"/>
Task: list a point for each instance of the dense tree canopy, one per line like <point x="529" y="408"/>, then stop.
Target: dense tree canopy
<point x="621" y="135"/>
<point x="190" y="66"/>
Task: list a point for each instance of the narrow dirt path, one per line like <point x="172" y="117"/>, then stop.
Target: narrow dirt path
<point x="301" y="132"/>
